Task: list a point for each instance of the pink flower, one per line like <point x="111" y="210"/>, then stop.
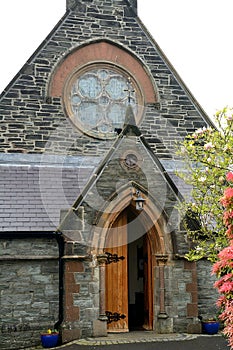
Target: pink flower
<point x="227" y="199"/>
<point x="200" y="131"/>
<point x="229" y="231"/>
<point x="226" y="287"/>
<point x="226" y="253"/>
<point x="229" y="176"/>
<point x="221" y="300"/>
<point x="228" y="192"/>
<point x="216" y="267"/>
<point x="228" y="114"/>
<point x="226" y="278"/>
<point x="208" y="145"/>
<point x="228" y="217"/>
<point x="223" y="268"/>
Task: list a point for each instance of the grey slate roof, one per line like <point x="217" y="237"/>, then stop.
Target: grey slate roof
<point x="35" y="188"/>
<point x="34" y="191"/>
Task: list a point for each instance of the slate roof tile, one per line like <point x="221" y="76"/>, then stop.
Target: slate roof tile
<point x="31" y="196"/>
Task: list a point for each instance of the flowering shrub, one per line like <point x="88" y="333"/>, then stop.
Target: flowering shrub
<point x="223" y="268"/>
<point x="207" y="156"/>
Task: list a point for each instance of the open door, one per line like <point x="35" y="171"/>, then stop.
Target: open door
<point x="116" y="279"/>
<point x="128" y="276"/>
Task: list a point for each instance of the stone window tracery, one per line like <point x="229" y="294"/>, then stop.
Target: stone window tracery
<point x="96" y="98"/>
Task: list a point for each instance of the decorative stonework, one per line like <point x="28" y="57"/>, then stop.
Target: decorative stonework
<point x="99" y="52"/>
<point x="161" y="260"/>
<point x="191" y="287"/>
<point x="131" y="160"/>
<point x="96" y="98"/>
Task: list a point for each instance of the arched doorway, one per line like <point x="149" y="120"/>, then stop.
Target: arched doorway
<point x="129" y="274"/>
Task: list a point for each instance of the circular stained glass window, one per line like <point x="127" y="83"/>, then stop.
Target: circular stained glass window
<point x="97" y="96"/>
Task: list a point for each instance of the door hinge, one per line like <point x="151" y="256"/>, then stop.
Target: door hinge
<point x="113" y="258"/>
<point x="114" y="316"/>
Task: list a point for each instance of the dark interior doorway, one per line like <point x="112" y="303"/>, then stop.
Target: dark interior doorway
<point x="136" y="278"/>
<point x="136" y="284"/>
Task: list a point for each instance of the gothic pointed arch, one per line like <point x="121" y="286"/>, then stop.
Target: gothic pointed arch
<point x="151" y="217"/>
<point x="119" y="228"/>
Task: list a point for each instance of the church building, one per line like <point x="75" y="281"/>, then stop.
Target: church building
<point x="91" y="239"/>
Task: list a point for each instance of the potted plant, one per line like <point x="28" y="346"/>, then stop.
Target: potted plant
<point x="49" y="339"/>
<point x="210" y="325"/>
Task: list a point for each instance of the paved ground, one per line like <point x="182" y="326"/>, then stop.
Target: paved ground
<point x="149" y="341"/>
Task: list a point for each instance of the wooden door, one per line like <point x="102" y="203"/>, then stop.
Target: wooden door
<point x="116" y="279"/>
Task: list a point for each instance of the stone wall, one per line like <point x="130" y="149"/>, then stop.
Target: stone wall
<point x="81" y="292"/>
<point x="207" y="295"/>
<point x="34" y="122"/>
<point x="181" y="295"/>
<point x="131" y="3"/>
<point x="29" y="287"/>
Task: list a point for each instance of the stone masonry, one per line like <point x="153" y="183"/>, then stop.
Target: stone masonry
<point x="50" y="207"/>
<point x="34" y="122"/>
<point x="29" y="283"/>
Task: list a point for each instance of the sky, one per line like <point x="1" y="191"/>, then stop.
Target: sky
<point x="195" y="35"/>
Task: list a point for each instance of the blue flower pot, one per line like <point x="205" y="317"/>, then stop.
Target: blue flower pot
<point x="49" y="340"/>
<point x="210" y="327"/>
